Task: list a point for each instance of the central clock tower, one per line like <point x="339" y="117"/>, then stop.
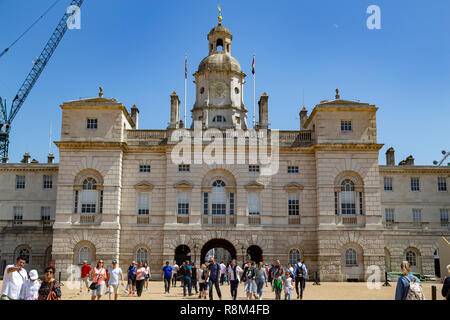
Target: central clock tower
<point x="219" y="83"/>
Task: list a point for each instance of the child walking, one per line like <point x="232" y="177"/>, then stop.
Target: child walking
<point x="278" y="283"/>
<point x="288" y="286"/>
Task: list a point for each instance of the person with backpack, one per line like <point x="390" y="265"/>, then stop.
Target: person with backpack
<point x="186" y="270"/>
<point x="299" y="275"/>
<point x="250" y="280"/>
<point x="408" y="286"/>
<point x="214" y="276"/>
<point x="202" y="281"/>
<point x="446" y="287"/>
<point x="181" y="272"/>
<point x="234" y="276"/>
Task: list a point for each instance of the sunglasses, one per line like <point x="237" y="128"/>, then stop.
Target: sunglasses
<point x="48" y="271"/>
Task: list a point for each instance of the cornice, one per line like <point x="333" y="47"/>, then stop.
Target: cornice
<point x="90" y="145"/>
<point x="336" y="108"/>
<point x="348" y="146"/>
<point x="413" y="169"/>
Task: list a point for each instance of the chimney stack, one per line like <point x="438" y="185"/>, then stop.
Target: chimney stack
<point x="50" y="158"/>
<point x="263" y="112"/>
<point x="135" y="116"/>
<point x="174" y="111"/>
<point x="303" y="117"/>
<point x="5" y="159"/>
<point x="390" y="157"/>
<point x="409" y="161"/>
<point x="26" y="158"/>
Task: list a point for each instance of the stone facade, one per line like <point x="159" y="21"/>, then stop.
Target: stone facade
<point x="119" y="194"/>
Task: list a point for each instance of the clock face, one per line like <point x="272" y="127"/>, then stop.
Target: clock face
<point x="218" y="89"/>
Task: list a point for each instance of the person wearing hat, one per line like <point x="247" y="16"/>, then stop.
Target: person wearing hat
<point x="113" y="279"/>
<point x="31" y="286"/>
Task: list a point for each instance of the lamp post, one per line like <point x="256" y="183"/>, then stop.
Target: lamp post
<point x="195" y="253"/>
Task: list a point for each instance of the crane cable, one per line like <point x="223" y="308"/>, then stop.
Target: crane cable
<point x="14" y="42"/>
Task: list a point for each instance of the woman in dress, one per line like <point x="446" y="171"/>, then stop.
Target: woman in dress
<point x="99" y="277"/>
<point x="50" y="289"/>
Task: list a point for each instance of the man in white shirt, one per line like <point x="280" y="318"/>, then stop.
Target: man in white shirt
<point x="13" y="279"/>
<point x="114" y="273"/>
<point x="223" y="271"/>
<point x="234" y="276"/>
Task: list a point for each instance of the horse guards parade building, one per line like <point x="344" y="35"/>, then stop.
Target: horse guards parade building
<point x="117" y="193"/>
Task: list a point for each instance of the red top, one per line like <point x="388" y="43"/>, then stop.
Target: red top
<point x="85" y="269"/>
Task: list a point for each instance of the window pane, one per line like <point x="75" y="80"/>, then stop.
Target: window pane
<point x="444" y="215"/>
<point x="89" y="196"/>
<point x="253" y="204"/>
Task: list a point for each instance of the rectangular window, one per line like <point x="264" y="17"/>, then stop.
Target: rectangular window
<point x="45" y="213"/>
<point x="361" y="211"/>
<point x="389" y="215"/>
<point x="48" y="182"/>
<point x="442" y="184"/>
<point x="205" y="203"/>
<point x="144" y="168"/>
<point x="231" y="203"/>
<point x="415" y="184"/>
<point x="91" y="123"/>
<point x="336" y="204"/>
<point x="346" y="125"/>
<point x="88" y="201"/>
<point x="75" y="208"/>
<point x="387" y="184"/>
<point x="293" y="205"/>
<point x="417" y="215"/>
<point x="183" y="203"/>
<point x="348" y="203"/>
<point x="18" y="215"/>
<point x="444" y="215"/>
<point x="20" y="182"/>
<point x="143" y="204"/>
<point x="253" y="168"/>
<point x="253" y="204"/>
<point x="293" y="169"/>
<point x="184" y="168"/>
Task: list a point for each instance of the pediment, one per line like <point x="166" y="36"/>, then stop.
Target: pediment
<point x="183" y="184"/>
<point x="144" y="185"/>
<point x="254" y="185"/>
<point x="293" y="186"/>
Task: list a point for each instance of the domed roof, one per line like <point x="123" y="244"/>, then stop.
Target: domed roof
<point x="219" y="29"/>
<point x="219" y="62"/>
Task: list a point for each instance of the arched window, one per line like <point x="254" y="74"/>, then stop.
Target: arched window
<point x="24" y="253"/>
<point x="350" y="258"/>
<point x="141" y="255"/>
<point x="219" y="45"/>
<point x="348" y="206"/>
<point x="219" y="119"/>
<point x="84" y="255"/>
<point x="411" y="258"/>
<point x="89" y="196"/>
<point x="293" y="256"/>
<point x="218" y="198"/>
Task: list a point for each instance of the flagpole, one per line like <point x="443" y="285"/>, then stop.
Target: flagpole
<point x="254" y="97"/>
<point x="185" y="88"/>
<point x="50" y="139"/>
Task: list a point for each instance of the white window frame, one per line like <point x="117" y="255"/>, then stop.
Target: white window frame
<point x="184" y="168"/>
<point x="292" y="170"/>
<point x="20" y="182"/>
<point x="45" y="213"/>
<point x="411" y="257"/>
<point x="92" y="123"/>
<point x="415" y="187"/>
<point x="140" y="253"/>
<point x="145" y="168"/>
<point x="293" y="205"/>
<point x="443" y="213"/>
<point x="143" y="205"/>
<point x="417" y="215"/>
<point x="388" y="184"/>
<point x="84" y="253"/>
<point x="183" y="207"/>
<point x="253" y="168"/>
<point x="254" y="203"/>
<point x="351" y="257"/>
<point x="442" y="184"/>
<point x="293" y="255"/>
<point x="389" y="215"/>
<point x="346" y="126"/>
<point x="18" y="214"/>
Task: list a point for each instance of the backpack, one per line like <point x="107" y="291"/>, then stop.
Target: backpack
<point x="250" y="273"/>
<point x="182" y="271"/>
<point x="299" y="271"/>
<point x="415" y="290"/>
<point x="203" y="275"/>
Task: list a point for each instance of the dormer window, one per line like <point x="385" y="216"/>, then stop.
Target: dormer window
<point x="346" y="125"/>
<point x="92" y="123"/>
<point x="219" y="119"/>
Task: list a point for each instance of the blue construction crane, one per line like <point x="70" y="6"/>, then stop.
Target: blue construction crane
<point x="6" y="117"/>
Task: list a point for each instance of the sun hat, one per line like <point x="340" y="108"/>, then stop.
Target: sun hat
<point x="33" y="275"/>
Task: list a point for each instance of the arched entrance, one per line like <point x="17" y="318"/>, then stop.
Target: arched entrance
<point x="255" y="253"/>
<point x="182" y="253"/>
<point x="220" y="249"/>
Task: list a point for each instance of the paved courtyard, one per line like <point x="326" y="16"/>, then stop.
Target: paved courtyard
<point x="326" y="291"/>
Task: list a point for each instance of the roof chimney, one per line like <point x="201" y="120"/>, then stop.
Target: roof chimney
<point x="50" y="158"/>
<point x="26" y="158"/>
<point x="135" y="116"/>
<point x="410" y="161"/>
<point x="303" y="117"/>
<point x="390" y="157"/>
<point x="5" y="159"/>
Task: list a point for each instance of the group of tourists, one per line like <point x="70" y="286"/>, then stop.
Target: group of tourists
<point x="254" y="276"/>
<point x="20" y="285"/>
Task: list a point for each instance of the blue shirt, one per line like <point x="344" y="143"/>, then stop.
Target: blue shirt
<point x="300" y="265"/>
<point x="131" y="271"/>
<point x="403" y="287"/>
<point x="187" y="269"/>
<point x="167" y="271"/>
<point x="214" y="271"/>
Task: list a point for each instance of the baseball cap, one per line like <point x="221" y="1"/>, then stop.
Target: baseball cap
<point x="33" y="274"/>
<point x="114" y="261"/>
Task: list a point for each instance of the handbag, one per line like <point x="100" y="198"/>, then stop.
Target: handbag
<point x="52" y="295"/>
<point x="94" y="285"/>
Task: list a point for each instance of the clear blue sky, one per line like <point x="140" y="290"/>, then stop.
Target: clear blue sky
<point x="135" y="50"/>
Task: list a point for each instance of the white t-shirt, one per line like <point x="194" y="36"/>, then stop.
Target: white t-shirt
<point x="114" y="275"/>
<point x="238" y="273"/>
<point x="30" y="290"/>
<point x="223" y="268"/>
<point x="200" y="274"/>
<point x="175" y="268"/>
<point x="12" y="283"/>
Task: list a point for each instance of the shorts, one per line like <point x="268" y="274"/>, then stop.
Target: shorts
<point x="132" y="281"/>
<point x="146" y="276"/>
<point x="114" y="288"/>
<point x="203" y="286"/>
<point x="99" y="290"/>
<point x="250" y="286"/>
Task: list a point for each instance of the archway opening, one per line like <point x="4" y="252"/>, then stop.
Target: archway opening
<point x="182" y="253"/>
<point x="219" y="249"/>
<point x="255" y="253"/>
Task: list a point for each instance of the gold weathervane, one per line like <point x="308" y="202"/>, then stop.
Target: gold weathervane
<point x="220" y="14"/>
